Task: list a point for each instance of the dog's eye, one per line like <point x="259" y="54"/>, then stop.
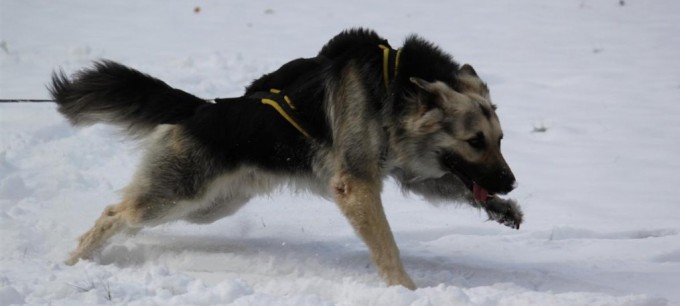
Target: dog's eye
<point x="477" y="142"/>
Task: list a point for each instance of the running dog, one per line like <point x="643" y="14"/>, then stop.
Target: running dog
<point x="336" y="125"/>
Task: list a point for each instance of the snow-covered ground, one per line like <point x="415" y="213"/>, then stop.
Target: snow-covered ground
<point x="589" y="98"/>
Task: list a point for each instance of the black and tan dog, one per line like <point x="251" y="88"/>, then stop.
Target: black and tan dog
<point x="336" y="125"/>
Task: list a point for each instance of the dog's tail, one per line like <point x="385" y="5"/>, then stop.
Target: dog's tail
<point x="112" y="93"/>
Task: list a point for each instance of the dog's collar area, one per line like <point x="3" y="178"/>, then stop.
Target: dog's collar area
<point x="390" y="65"/>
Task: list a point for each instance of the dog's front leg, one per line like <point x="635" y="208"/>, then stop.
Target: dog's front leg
<point x="449" y="188"/>
<point x="359" y="200"/>
<point x="504" y="211"/>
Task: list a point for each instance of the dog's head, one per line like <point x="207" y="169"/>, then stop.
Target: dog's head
<point x="458" y="132"/>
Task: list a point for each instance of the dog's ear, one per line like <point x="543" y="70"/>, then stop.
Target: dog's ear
<point x="433" y="95"/>
<point x="424" y="85"/>
<point x="445" y="96"/>
<point x="468" y="70"/>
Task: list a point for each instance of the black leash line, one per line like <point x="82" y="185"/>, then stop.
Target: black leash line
<point x="25" y="100"/>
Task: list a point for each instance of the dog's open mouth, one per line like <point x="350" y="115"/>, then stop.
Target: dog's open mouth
<point x="479" y="193"/>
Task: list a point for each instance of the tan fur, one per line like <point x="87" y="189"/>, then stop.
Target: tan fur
<point x="471" y="83"/>
<point x="427" y="123"/>
<point x="473" y="95"/>
<point x="359" y="200"/>
<point x="177" y="140"/>
<point x="356" y="142"/>
<point x="113" y="220"/>
<point x="356" y="190"/>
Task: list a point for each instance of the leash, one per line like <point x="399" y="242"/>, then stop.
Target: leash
<point x="271" y="102"/>
<point x="25" y="100"/>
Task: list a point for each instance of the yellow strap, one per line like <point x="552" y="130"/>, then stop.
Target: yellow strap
<point x="290" y="103"/>
<point x="386" y="59"/>
<point x="386" y="64"/>
<point x="396" y="63"/>
<point x="288" y="100"/>
<point x="285" y="115"/>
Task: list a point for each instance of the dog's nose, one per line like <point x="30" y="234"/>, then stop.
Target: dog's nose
<point x="508" y="180"/>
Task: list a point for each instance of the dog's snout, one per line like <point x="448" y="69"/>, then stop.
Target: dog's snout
<point x="508" y="179"/>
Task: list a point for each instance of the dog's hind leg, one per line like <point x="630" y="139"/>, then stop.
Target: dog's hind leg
<point x="359" y="200"/>
<point x="169" y="184"/>
<point x="136" y="211"/>
<point x="114" y="219"/>
<point x="219" y="209"/>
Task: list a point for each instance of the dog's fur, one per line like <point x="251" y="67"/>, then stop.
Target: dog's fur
<point x="432" y="127"/>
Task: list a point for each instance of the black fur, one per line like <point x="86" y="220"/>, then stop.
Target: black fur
<point x="302" y="81"/>
<point x="359" y="47"/>
<point x="244" y="131"/>
<point x="422" y="59"/>
<point x="120" y="95"/>
<point x="353" y="41"/>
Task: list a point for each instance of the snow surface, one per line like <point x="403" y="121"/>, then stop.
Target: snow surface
<point x="589" y="98"/>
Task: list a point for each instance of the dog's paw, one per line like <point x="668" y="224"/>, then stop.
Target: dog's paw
<point x="504" y="211"/>
<point x="72" y="260"/>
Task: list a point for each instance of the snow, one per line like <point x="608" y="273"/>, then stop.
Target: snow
<point x="588" y="96"/>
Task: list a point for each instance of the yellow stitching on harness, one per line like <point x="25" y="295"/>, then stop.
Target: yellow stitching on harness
<point x="285" y="115"/>
<point x="275" y="91"/>
<point x="386" y="59"/>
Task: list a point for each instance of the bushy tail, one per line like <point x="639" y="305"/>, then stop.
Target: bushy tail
<point x="112" y="93"/>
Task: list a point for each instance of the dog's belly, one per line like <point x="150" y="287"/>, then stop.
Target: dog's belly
<point x="227" y="193"/>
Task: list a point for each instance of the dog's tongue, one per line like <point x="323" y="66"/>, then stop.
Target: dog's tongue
<point x="479" y="193"/>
